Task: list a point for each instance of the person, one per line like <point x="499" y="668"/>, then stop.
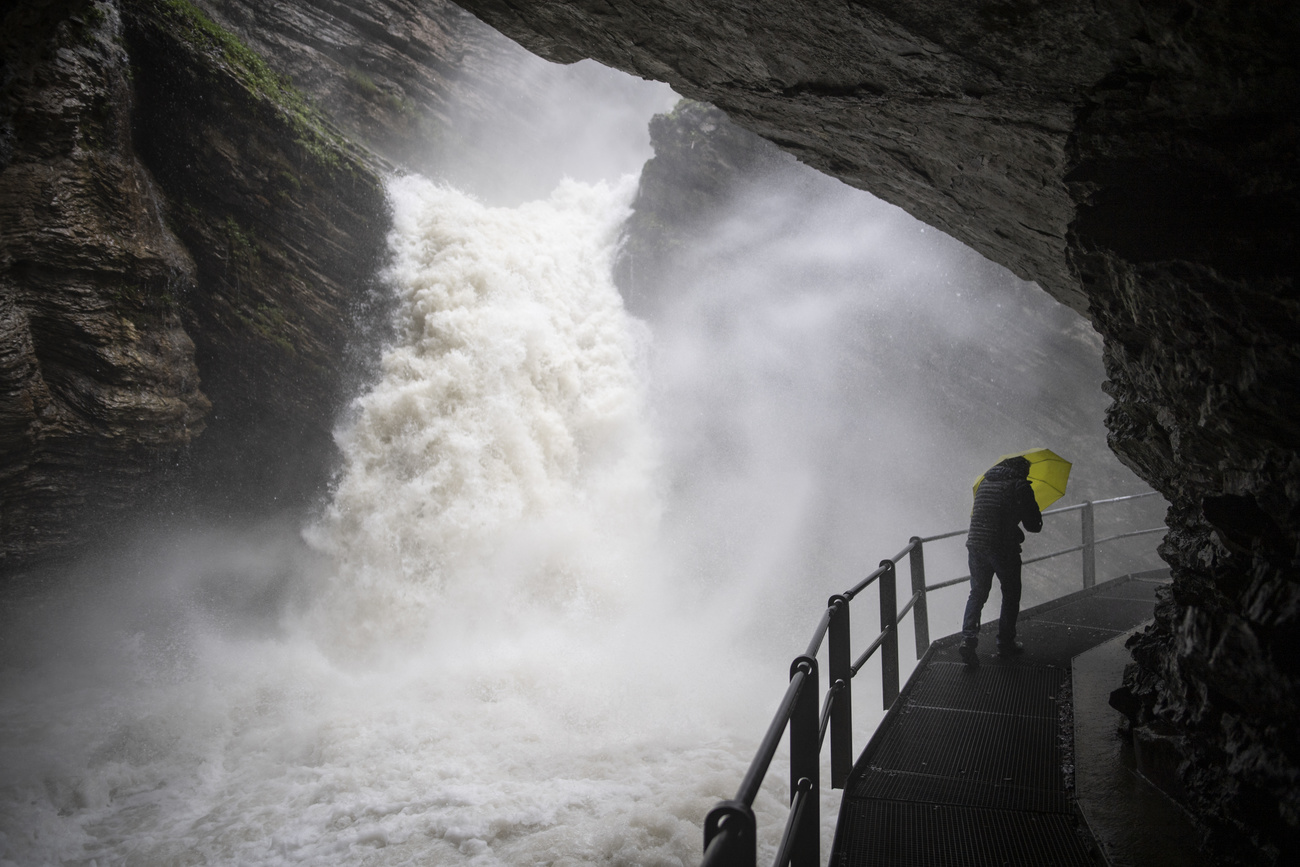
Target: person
<point x="1004" y="502"/>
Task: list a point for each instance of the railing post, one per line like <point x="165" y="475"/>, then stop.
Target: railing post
<point x="920" y="614"/>
<point x="841" y="678"/>
<point x="1089" y="547"/>
<point x="734" y="821"/>
<point x="805" y="747"/>
<point x="888" y="628"/>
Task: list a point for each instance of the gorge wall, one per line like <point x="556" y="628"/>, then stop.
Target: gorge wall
<point x="185" y="244"/>
<point x="191" y="222"/>
<point x="1139" y="161"/>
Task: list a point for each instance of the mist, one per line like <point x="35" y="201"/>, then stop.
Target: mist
<point x="831" y="375"/>
<point x="583" y="121"/>
<point x="547" y="611"/>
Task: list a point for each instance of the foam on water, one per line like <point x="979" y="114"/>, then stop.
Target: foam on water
<point x="502" y="462"/>
<point x="490" y="662"/>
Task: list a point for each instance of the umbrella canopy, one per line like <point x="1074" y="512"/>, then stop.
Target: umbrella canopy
<point x="1048" y="473"/>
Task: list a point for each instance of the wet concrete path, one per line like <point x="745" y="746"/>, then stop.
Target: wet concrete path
<point x="976" y="766"/>
<point x="1134" y="824"/>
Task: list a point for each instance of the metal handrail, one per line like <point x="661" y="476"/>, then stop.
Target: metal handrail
<point x="1130" y="534"/>
<point x="870" y="651"/>
<point x="767" y="748"/>
<point x="730" y="833"/>
<point x="802" y="795"/>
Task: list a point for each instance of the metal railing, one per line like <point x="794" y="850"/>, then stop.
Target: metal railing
<point x="730" y="831"/>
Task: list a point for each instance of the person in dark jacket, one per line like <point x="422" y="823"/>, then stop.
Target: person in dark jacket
<point x="1003" y="503"/>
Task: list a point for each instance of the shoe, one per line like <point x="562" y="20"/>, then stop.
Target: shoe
<point x="1015" y="648"/>
<point x="968" y="655"/>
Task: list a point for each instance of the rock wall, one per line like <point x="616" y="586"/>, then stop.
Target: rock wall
<point x="702" y="161"/>
<point x="188" y="249"/>
<point x="99" y="386"/>
<point x="410" y="79"/>
<point x="1139" y="161"/>
<point x="422" y="84"/>
<point x="191" y="223"/>
<point x="285" y="220"/>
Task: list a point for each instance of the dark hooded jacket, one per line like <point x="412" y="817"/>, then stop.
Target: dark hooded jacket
<point x="1003" y="502"/>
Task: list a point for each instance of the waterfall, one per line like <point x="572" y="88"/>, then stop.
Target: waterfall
<point x="484" y="657"/>
<point x="546" y="614"/>
<point x="501" y="469"/>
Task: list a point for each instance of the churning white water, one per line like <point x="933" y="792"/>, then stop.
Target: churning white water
<point x="502" y="466"/>
<point x="486" y="660"/>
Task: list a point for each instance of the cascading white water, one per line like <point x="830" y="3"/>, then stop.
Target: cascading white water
<point x="502" y="464"/>
<point x="493" y="665"/>
<point x="493" y="650"/>
<point x="493" y="537"/>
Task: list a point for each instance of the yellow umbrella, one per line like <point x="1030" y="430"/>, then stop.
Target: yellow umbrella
<point x="1048" y="473"/>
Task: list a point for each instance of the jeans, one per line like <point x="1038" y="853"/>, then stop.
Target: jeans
<point x="983" y="565"/>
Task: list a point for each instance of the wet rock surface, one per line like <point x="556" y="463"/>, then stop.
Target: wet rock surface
<point x="405" y="78"/>
<point x="285" y="221"/>
<point x="702" y="163"/>
<point x="421" y="84"/>
<point x="99" y="386"/>
<point x="1137" y="160"/>
<point x="188" y="256"/>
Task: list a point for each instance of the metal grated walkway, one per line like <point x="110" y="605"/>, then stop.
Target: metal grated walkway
<point x="968" y="768"/>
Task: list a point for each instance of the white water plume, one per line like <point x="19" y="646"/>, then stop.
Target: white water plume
<point x="489" y="664"/>
<point x="502" y="463"/>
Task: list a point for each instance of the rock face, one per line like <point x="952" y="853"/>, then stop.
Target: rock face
<point x="1139" y="161"/>
<point x="187" y="249"/>
<point x="407" y="79"/>
<point x="422" y="84"/>
<point x="99" y="388"/>
<point x="285" y="222"/>
<point x="702" y="161"/>
<point x="192" y="221"/>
